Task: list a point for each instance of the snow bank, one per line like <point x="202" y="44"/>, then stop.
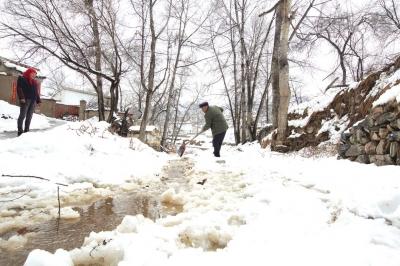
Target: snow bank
<point x="83" y="155"/>
<point x="44" y="258"/>
<point x="9" y="115"/>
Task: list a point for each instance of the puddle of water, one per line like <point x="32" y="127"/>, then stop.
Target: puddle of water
<point x="103" y="215"/>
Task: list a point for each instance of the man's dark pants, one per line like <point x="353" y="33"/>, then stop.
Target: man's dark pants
<point x="217" y="143"/>
<point x="25" y="112"/>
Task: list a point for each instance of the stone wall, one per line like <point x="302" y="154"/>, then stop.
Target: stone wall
<point x="376" y="139"/>
<point x="350" y="104"/>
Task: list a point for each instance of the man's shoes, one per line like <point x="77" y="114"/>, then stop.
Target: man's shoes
<point x="19" y="133"/>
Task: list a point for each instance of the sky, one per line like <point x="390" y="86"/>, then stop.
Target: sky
<point x="312" y="80"/>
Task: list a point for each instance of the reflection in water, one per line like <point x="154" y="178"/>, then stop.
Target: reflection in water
<point x="103" y="215"/>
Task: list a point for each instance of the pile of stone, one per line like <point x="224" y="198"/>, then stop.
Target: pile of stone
<point x="375" y="139"/>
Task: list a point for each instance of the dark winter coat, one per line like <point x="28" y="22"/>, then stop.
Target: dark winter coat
<point x="28" y="90"/>
<point x="215" y="120"/>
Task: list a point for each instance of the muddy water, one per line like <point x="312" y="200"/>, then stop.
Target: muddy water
<point x="103" y="215"/>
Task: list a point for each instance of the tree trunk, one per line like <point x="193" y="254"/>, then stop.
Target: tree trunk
<point x="98" y="52"/>
<point x="280" y="71"/>
<point x="284" y="90"/>
<point x="150" y="85"/>
<point x="237" y="119"/>
<point x="243" y="102"/>
<point x="275" y="66"/>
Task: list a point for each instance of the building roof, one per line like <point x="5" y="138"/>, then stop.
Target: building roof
<point x="19" y="67"/>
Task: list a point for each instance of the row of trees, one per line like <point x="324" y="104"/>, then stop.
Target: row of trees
<point x="156" y="47"/>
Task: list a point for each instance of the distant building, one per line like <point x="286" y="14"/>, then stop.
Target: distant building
<point x="71" y="96"/>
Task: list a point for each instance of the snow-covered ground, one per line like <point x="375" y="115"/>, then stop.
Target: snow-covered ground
<point x="259" y="208"/>
<point x="9" y="115"/>
<point x="251" y="206"/>
<point x="83" y="155"/>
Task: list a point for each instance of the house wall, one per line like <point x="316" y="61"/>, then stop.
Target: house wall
<point x="48" y="107"/>
<point x="6" y="88"/>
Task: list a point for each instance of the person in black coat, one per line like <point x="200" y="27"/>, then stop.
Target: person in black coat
<point x="28" y="94"/>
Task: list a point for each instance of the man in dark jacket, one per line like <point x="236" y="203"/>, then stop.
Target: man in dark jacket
<point x="28" y="95"/>
<point x="216" y="121"/>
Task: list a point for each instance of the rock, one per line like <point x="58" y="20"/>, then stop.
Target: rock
<point x="359" y="135"/>
<point x="375" y="136"/>
<point x="393" y="150"/>
<point x="342" y="149"/>
<point x="390" y="128"/>
<point x="309" y="129"/>
<point x="390" y="106"/>
<point x="376" y="112"/>
<point x="382" y="148"/>
<point x="385" y="118"/>
<point x="369" y="122"/>
<point x="364" y="140"/>
<point x="395" y="124"/>
<point x="394" y="136"/>
<point x="363" y="159"/>
<point x="383" y="133"/>
<point x="354" y="151"/>
<point x="370" y="148"/>
<point x="353" y="139"/>
<point x="280" y="148"/>
<point x="264" y="132"/>
<point x="345" y="137"/>
<point x="381" y="160"/>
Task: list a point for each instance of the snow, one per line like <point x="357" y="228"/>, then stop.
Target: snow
<point x="335" y="127"/>
<point x="9" y="115"/>
<point x="17" y="67"/>
<point x="73" y="97"/>
<point x="317" y="103"/>
<point x="255" y="207"/>
<point x="385" y="80"/>
<point x="261" y="208"/>
<point x="392" y="94"/>
<point x="83" y="155"/>
<point x="148" y="128"/>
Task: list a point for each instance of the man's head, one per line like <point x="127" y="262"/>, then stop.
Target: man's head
<point x="204" y="106"/>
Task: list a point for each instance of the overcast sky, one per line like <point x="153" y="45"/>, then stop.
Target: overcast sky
<point x="324" y="59"/>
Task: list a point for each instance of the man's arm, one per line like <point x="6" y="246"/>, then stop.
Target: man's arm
<point x="20" y="92"/>
<point x="37" y="85"/>
<point x="207" y="126"/>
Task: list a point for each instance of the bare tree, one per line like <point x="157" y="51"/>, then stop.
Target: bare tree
<point x="183" y="13"/>
<point x="145" y="10"/>
<point x="391" y="9"/>
<point x="54" y="31"/>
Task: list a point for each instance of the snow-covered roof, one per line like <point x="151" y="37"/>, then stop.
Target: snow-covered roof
<point x="18" y="66"/>
<point x="148" y="128"/>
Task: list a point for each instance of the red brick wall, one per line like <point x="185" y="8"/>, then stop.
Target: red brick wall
<point x="62" y="109"/>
